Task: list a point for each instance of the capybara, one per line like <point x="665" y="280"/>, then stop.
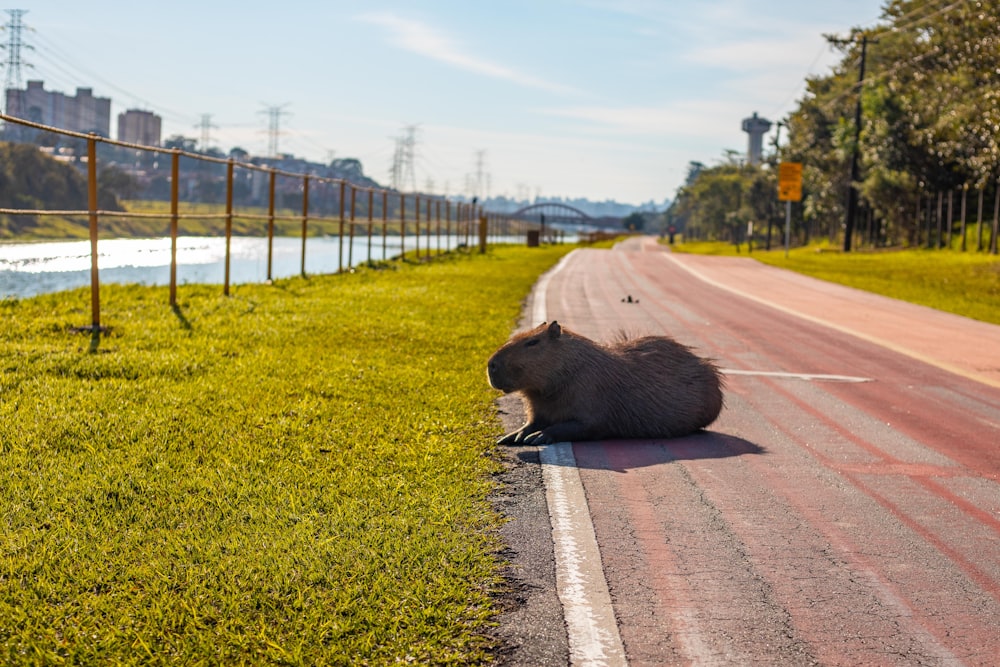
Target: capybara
<point x="577" y="389"/>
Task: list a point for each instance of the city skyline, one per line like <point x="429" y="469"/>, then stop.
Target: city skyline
<point x="560" y="98"/>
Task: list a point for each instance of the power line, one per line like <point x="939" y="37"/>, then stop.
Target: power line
<point x="70" y="65"/>
<point x="65" y="70"/>
<point x="808" y="70"/>
<point x="873" y="78"/>
<point x="895" y="27"/>
<point x="901" y="24"/>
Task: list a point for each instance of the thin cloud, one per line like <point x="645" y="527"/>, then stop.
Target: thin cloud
<point x="681" y="120"/>
<point x="424" y="40"/>
<point x="771" y="52"/>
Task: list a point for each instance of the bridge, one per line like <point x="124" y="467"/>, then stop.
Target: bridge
<point x="561" y="214"/>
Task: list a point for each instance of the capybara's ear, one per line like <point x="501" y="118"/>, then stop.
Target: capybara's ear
<point x="554" y="330"/>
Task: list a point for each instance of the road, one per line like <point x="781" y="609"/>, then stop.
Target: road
<point x="843" y="510"/>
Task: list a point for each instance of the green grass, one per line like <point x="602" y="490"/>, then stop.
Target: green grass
<point x="77" y="227"/>
<point x="962" y="283"/>
<point x="215" y="226"/>
<point x="707" y="248"/>
<point x="297" y="474"/>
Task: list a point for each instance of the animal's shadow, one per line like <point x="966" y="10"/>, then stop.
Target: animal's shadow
<point x="623" y="455"/>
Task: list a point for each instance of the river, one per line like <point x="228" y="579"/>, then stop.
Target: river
<point x="29" y="269"/>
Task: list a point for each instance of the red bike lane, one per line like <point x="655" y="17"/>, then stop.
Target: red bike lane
<point x="845" y="507"/>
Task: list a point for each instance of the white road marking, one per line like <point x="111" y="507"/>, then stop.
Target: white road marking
<point x="539" y="313"/>
<point x="583" y="591"/>
<point x="809" y="377"/>
<point x="890" y="345"/>
<point x="580" y="583"/>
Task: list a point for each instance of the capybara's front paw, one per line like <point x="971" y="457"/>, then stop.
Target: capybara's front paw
<point x="509" y="439"/>
<point x="538" y="438"/>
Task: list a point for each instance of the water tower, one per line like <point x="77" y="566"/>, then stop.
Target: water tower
<point x="756" y="127"/>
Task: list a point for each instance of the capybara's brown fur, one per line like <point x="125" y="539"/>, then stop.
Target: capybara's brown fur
<point x="577" y="389"/>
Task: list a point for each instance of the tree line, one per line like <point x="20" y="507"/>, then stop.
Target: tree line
<point x="33" y="180"/>
<point x="52" y="177"/>
<point x="927" y="146"/>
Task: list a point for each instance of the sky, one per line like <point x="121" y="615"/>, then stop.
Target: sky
<point x="599" y="99"/>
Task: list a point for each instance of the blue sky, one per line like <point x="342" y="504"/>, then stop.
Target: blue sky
<point x="604" y="99"/>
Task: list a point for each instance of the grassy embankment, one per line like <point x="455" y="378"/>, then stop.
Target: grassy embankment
<point x="50" y="228"/>
<point x="962" y="283"/>
<point x="296" y="474"/>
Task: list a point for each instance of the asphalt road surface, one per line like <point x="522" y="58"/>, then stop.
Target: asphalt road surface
<point x="843" y="510"/>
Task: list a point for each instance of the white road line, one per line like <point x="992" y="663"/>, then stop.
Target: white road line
<point x="580" y="583"/>
<point x="583" y="591"/>
<point x="809" y="377"/>
<point x="539" y="313"/>
<point x="890" y="345"/>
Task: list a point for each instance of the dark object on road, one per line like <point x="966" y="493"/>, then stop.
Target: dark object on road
<point x="576" y="389"/>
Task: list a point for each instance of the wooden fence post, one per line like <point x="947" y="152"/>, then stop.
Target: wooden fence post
<point x="175" y="171"/>
<point x="385" y="223"/>
<point x="305" y="220"/>
<point x="229" y="222"/>
<point x="979" y="220"/>
<point x="965" y="192"/>
<point x="270" y="222"/>
<point x="402" y="226"/>
<point x="427" y="246"/>
<point x="371" y="217"/>
<point x="350" y="246"/>
<point x="447" y="224"/>
<point x="996" y="220"/>
<point x="340" y="235"/>
<point x="416" y="231"/>
<point x="940" y="221"/>
<point x="95" y="281"/>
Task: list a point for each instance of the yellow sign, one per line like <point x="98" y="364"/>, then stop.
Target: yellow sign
<point x="790" y="181"/>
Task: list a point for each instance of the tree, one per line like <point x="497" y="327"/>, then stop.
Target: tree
<point x="931" y="109"/>
<point x="33" y="180"/>
<point x="113" y="184"/>
<point x="634" y="221"/>
<point x="177" y="141"/>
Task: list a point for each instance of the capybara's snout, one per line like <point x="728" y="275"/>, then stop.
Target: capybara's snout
<point x="498" y="377"/>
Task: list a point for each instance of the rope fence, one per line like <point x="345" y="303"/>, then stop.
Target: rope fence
<point x="429" y="217"/>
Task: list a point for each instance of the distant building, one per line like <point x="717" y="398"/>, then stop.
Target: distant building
<point x="139" y="127"/>
<point x="756" y="127"/>
<point x="79" y="113"/>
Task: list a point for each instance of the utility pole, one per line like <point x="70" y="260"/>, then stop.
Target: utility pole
<point x="480" y="174"/>
<point x="788" y="210"/>
<point x="852" y="191"/>
<point x="409" y="156"/>
<point x="402" y="173"/>
<point x="777" y="134"/>
<point x="13" y="63"/>
<point x="274" y="114"/>
<point x="206" y="128"/>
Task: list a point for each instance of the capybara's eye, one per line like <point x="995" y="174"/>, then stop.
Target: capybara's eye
<point x="532" y="342"/>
